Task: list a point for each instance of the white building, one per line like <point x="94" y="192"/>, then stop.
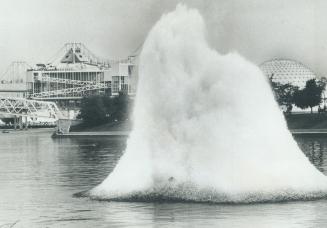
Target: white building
<point x="75" y="72"/>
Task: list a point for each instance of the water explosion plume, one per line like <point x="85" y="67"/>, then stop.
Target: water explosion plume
<point x="206" y="127"/>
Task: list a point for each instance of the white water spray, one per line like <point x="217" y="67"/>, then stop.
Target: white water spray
<point x="207" y="127"/>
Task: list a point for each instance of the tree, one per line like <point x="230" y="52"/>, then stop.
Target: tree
<point x="96" y="110"/>
<point x="93" y="111"/>
<point x="284" y="93"/>
<point x="310" y="95"/>
<point x="121" y="106"/>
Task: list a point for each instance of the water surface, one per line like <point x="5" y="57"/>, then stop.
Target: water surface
<point x="39" y="175"/>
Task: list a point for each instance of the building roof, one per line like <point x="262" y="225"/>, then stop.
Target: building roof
<point x="74" y="56"/>
<point x="287" y="71"/>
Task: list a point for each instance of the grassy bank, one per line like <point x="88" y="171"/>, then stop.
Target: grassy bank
<point x="294" y="121"/>
<point x="306" y="121"/>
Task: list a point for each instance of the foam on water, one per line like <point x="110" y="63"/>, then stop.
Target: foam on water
<point x="206" y="127"/>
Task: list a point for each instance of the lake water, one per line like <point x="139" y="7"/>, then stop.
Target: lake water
<point x="39" y="175"/>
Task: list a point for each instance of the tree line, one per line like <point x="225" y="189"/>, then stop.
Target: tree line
<point x="288" y="95"/>
<point x="101" y="109"/>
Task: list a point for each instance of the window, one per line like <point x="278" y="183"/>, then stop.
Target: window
<point x="115" y="84"/>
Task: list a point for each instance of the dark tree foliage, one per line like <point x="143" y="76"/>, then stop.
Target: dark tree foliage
<point x="121" y="105"/>
<point x="284" y="93"/>
<point x="92" y="110"/>
<point x="98" y="110"/>
<point x="310" y="95"/>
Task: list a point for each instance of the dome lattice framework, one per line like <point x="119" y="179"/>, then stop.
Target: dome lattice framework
<point x="287" y="71"/>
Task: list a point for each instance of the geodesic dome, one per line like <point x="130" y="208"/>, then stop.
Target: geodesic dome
<point x="287" y="71"/>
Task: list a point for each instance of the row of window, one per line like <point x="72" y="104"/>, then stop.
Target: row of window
<point x="81" y="76"/>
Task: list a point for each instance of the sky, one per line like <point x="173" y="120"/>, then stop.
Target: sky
<point x="260" y="30"/>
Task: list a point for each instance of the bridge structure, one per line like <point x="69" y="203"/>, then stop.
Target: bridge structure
<point x="12" y="106"/>
<point x="19" y="108"/>
<point x="15" y="73"/>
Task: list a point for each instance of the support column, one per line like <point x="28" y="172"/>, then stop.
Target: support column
<point x="63" y="126"/>
<point x="26" y="123"/>
<point x="15" y="123"/>
<point x="20" y="121"/>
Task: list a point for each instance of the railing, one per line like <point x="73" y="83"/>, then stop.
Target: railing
<point x="51" y="93"/>
<point x="67" y="81"/>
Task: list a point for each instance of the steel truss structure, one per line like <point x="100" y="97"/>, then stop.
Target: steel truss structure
<point x="81" y="86"/>
<point x="67" y="81"/>
<point x="287" y="71"/>
<point x="31" y="108"/>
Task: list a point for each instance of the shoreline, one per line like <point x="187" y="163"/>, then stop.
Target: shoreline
<point x="305" y="124"/>
<point x="308" y="131"/>
<point x="123" y="134"/>
<point x="112" y="134"/>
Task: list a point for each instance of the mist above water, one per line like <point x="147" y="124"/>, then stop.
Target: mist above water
<point x="206" y="127"/>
